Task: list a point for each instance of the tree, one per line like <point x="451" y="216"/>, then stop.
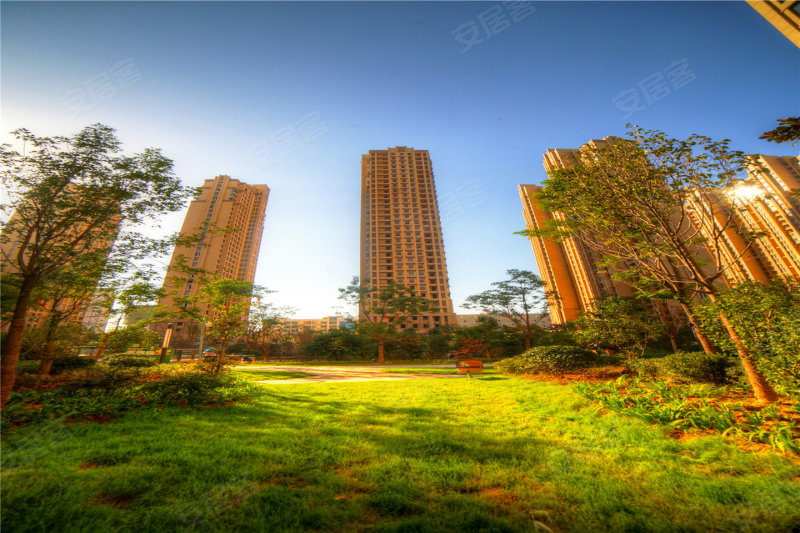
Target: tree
<point x="520" y="298"/>
<point x="228" y="303"/>
<point x="639" y="202"/>
<point x="337" y="345"/>
<point x="767" y="317"/>
<point x="126" y="338"/>
<point x="71" y="197"/>
<point x="62" y="294"/>
<point x="626" y="325"/>
<point x="789" y="130"/>
<point x="264" y="326"/>
<point x="384" y="309"/>
<point x="124" y="295"/>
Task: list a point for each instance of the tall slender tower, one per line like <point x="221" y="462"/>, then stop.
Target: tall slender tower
<point x="229" y="216"/>
<point x="401" y="234"/>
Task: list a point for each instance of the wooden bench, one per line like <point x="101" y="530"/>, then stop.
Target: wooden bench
<point x="468" y="367"/>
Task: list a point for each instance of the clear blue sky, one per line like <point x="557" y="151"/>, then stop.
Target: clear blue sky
<point x="291" y="95"/>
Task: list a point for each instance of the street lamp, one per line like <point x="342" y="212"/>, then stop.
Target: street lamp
<point x="165" y="344"/>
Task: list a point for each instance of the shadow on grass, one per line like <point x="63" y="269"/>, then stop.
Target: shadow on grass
<point x="405" y="456"/>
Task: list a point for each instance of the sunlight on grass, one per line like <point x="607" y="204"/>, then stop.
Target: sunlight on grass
<point x="488" y="454"/>
<point x="255" y="374"/>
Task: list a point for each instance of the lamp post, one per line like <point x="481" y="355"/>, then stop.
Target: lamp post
<point x="165" y="344"/>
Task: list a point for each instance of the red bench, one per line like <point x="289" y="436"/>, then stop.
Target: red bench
<point x="468" y="367"/>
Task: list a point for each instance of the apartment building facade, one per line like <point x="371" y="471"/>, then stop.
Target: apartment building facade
<point x="401" y="232"/>
<point x="228" y="220"/>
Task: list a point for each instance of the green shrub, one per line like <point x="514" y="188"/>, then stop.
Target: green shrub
<point x="767" y="319"/>
<point x="64" y="364"/>
<point x="107" y="380"/>
<point x="690" y="367"/>
<point x="189" y="387"/>
<point x="129" y="361"/>
<point x="548" y="360"/>
<point x="27" y="367"/>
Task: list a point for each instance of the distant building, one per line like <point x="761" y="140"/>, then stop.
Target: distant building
<point x="293" y="326"/>
<point x="468" y="321"/>
<point x="401" y="233"/>
<point x="783" y="14"/>
<point x="229" y="217"/>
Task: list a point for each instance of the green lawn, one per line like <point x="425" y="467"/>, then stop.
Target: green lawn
<point x="488" y="454"/>
<point x="255" y="374"/>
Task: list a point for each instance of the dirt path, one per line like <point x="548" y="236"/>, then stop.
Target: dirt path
<point x="325" y="374"/>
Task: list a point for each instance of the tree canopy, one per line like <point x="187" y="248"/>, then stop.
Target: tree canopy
<point x="70" y="198"/>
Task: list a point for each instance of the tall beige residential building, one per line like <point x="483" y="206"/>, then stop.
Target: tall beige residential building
<point x="766" y="205"/>
<point x="401" y="233"/>
<point x="783" y="14"/>
<point x="229" y="217"/>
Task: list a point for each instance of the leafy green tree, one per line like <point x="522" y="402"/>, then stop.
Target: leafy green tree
<point x="627" y="325"/>
<point x="384" y="310"/>
<point x="71" y="196"/>
<point x="264" y="328"/>
<point x="788" y="131"/>
<point x="520" y="298"/>
<point x="63" y="294"/>
<point x="228" y="303"/>
<point x="439" y="341"/>
<point x="126" y="338"/>
<point x="767" y="317"/>
<point x="635" y="200"/>
<point x="341" y="344"/>
<point x="498" y="340"/>
<point x="124" y="295"/>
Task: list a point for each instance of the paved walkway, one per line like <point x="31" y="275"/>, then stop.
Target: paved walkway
<point x="325" y="374"/>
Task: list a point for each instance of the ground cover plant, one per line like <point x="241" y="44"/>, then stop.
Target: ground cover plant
<point x="105" y="391"/>
<point x="494" y="453"/>
<point x="698" y="407"/>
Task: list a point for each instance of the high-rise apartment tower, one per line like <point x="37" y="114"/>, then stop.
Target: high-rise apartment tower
<point x="401" y="234"/>
<point x="229" y="217"/>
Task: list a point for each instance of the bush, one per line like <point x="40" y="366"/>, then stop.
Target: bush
<point x="690" y="367"/>
<point x="548" y="360"/>
<point x="27" y="367"/>
<point x="190" y="387"/>
<point x="767" y="318"/>
<point x="64" y="364"/>
<point x="107" y="380"/>
<point x="129" y="361"/>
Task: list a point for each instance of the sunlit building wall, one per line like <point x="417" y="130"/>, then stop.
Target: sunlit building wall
<point x="763" y="236"/>
<point x="401" y="233"/>
<point x="228" y="218"/>
<point x="783" y="14"/>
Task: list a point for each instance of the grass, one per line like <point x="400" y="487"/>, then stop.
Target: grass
<point x="494" y="453"/>
<point x="255" y="374"/>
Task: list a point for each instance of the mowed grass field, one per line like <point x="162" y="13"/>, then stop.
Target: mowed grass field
<point x="490" y="454"/>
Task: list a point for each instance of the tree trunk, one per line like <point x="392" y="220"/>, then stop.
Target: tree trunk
<point x="763" y="391"/>
<point x="47" y="360"/>
<point x="99" y="352"/>
<point x="380" y="352"/>
<point x="527" y="341"/>
<point x="13" y="344"/>
<point x="705" y="342"/>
